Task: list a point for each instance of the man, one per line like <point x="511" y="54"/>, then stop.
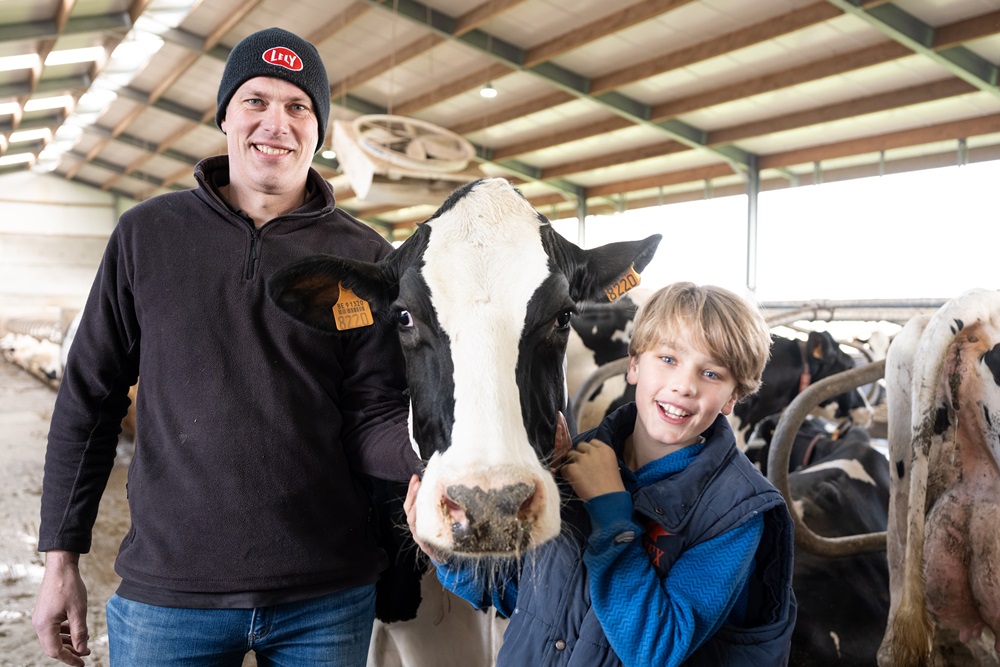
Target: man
<point x="252" y="526"/>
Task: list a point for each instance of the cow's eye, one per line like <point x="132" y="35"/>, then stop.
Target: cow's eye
<point x="404" y="320"/>
<point x="562" y="321"/>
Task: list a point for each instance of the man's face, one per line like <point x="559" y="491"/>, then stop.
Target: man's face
<point x="271" y="133"/>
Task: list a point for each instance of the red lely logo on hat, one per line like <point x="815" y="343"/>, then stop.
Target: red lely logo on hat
<point x="283" y="57"/>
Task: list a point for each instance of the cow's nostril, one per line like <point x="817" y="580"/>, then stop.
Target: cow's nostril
<point x="524" y="511"/>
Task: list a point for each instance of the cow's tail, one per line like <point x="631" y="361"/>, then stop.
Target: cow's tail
<point x="911" y="626"/>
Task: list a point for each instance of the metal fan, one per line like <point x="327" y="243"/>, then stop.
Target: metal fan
<point x="413" y="144"/>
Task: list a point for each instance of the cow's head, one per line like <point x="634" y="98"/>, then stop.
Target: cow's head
<point x="482" y="293"/>
<point x="824" y="357"/>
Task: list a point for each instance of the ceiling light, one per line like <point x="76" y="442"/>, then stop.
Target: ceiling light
<point x="9" y="108"/>
<point x="62" y="101"/>
<point x="27" y="61"/>
<point x="43" y="133"/>
<point x="17" y="158"/>
<point x="328" y="154"/>
<point x="71" y="56"/>
<point x="488" y="91"/>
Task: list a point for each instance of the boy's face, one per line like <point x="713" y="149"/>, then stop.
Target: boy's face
<point x="679" y="390"/>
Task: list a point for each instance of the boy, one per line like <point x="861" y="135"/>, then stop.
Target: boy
<point x="687" y="554"/>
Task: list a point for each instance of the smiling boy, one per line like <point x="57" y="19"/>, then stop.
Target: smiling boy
<point x="675" y="549"/>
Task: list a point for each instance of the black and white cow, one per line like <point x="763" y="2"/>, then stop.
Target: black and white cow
<point x="839" y="487"/>
<point x="793" y="366"/>
<point x="483" y="294"/>
<point x="600" y="335"/>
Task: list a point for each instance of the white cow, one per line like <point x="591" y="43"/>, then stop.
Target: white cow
<point x="943" y="381"/>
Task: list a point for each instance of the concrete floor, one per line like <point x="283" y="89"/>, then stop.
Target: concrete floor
<point x="25" y="409"/>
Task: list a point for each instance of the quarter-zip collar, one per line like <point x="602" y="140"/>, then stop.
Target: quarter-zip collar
<point x="213" y="173"/>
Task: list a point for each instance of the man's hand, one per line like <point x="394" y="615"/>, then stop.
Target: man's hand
<point x="60" y="615"/>
<point x="409" y="506"/>
<point x="592" y="470"/>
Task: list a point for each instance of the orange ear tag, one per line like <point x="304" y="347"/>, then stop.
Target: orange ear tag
<point x="351" y="311"/>
<point x="625" y="282"/>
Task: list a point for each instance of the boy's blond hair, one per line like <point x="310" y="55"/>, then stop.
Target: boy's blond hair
<point x="727" y="326"/>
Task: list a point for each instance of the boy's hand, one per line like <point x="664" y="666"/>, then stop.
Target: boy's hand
<point x="410" y="507"/>
<point x="592" y="470"/>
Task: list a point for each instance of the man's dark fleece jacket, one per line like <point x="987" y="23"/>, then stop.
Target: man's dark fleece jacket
<point x="245" y="488"/>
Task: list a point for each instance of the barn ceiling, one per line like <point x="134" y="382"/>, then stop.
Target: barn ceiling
<point x="602" y="105"/>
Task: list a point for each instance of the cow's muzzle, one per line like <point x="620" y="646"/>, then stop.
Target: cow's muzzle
<point x="485" y="521"/>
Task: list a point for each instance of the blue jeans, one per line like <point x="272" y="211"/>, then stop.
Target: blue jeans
<point x="329" y="631"/>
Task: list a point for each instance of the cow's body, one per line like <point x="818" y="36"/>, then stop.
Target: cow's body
<point x="843" y="601"/>
<point x="943" y="381"/>
<point x="483" y="294"/>
<point x="839" y="486"/>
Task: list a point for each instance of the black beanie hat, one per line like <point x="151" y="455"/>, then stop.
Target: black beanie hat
<point x="280" y="54"/>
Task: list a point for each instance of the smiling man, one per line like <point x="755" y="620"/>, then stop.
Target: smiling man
<point x="252" y="526"/>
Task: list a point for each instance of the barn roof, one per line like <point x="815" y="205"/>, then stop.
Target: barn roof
<point x="608" y="105"/>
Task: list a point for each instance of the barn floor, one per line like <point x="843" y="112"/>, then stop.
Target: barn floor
<point x="25" y="409"/>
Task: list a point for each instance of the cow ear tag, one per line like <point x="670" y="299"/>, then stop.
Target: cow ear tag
<point x="627" y="281"/>
<point x="351" y="311"/>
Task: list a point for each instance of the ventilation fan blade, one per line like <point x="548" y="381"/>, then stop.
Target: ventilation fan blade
<point x="442" y="148"/>
<point x="416" y="150"/>
<point x="380" y="135"/>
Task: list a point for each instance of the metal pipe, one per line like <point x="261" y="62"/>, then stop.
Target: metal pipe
<point x="603" y="373"/>
<point x="781" y="452"/>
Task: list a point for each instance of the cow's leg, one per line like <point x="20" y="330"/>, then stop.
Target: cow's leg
<point x="984" y="562"/>
<point x="950" y="599"/>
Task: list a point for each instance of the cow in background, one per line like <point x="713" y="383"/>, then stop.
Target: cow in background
<point x="793" y="366"/>
<point x="943" y="382"/>
<point x="38" y="356"/>
<point x="600" y="335"/>
<point x="483" y="294"/>
<point x="839" y="486"/>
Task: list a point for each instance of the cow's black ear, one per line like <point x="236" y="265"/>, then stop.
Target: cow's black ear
<point x="309" y="288"/>
<point x="820" y="345"/>
<point x="594" y="274"/>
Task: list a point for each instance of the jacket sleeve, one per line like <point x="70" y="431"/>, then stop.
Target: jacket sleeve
<point x="376" y="407"/>
<point x="652" y="621"/>
<point x="90" y="405"/>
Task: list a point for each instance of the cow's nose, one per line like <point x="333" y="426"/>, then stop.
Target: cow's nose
<point x="992" y="360"/>
<point x="490" y="520"/>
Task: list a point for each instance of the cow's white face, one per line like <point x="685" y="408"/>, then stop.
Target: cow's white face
<point x="482" y="294"/>
<point x="482" y="266"/>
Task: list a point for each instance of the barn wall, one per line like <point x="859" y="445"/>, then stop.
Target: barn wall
<point x="52" y="236"/>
